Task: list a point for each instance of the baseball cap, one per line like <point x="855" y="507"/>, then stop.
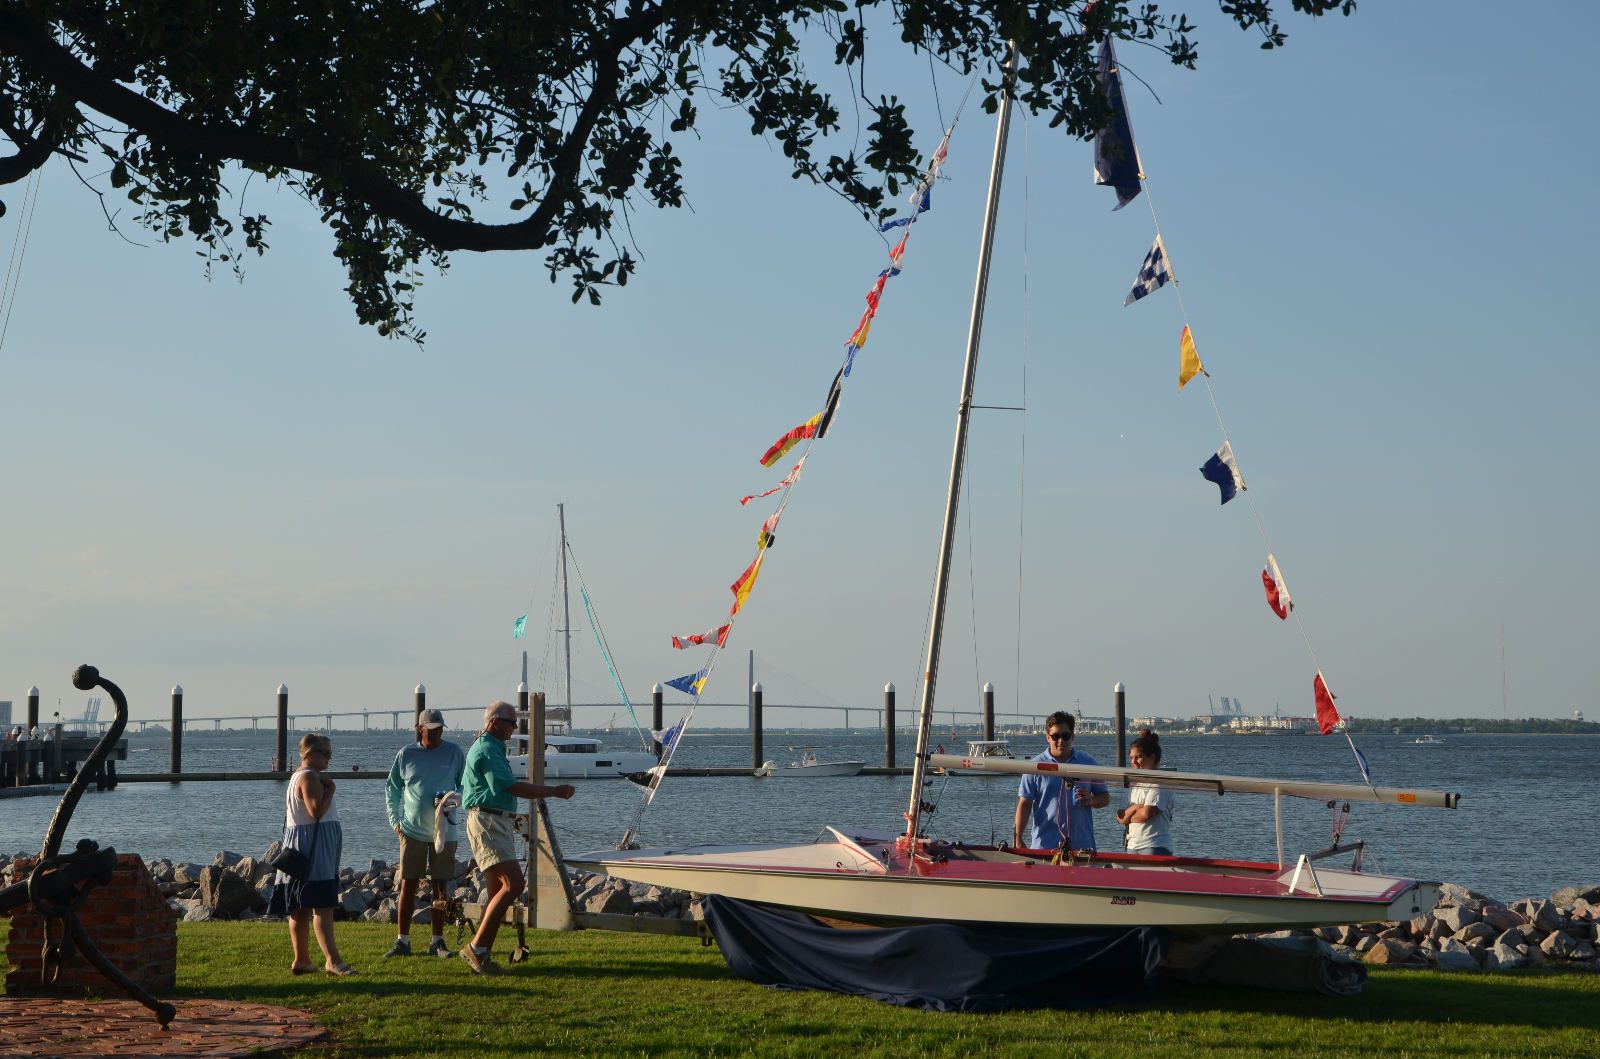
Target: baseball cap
<point x="431" y="719"/>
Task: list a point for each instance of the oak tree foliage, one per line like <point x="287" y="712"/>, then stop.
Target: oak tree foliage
<point x="421" y="127"/>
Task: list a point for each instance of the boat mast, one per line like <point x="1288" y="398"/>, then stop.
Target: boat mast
<point x="566" y="609"/>
<point x="941" y="589"/>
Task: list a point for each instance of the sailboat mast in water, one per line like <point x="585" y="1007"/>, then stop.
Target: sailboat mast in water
<point x="958" y="459"/>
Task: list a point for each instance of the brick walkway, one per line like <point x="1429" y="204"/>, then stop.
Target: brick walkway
<point x="50" y="1028"/>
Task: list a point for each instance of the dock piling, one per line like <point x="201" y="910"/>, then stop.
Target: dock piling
<point x="281" y="762"/>
<point x="33" y="710"/>
<point x="888" y="725"/>
<point x="655" y="719"/>
<point x="1122" y="724"/>
<point x="175" y="758"/>
<point x="755" y="726"/>
<point x="988" y="711"/>
<point x="422" y="704"/>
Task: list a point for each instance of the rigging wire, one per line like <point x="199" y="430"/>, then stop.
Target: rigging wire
<point x="8" y="289"/>
<point x="1022" y="470"/>
<point x="605" y="647"/>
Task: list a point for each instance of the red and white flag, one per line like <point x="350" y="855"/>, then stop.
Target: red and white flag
<point x="1277" y="591"/>
<point x="718" y="636"/>
<point x="1327" y="713"/>
<point x="793" y="477"/>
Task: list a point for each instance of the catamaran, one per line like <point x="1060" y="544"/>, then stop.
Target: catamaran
<point x="852" y="875"/>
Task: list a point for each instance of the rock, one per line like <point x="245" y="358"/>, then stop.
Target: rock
<point x="609" y="900"/>
<point x="1386" y="951"/>
<point x="1570" y="895"/>
<point x="1422" y="926"/>
<point x="1504" y="957"/>
<point x="1536" y="956"/>
<point x="226" y="859"/>
<point x="639" y="890"/>
<point x="248" y="913"/>
<point x="185" y="872"/>
<point x="161" y="870"/>
<point x="1396" y="933"/>
<point x="1451" y="894"/>
<point x="169" y="888"/>
<point x="178" y="907"/>
<point x="226" y="894"/>
<point x="1479" y="929"/>
<point x="376" y="866"/>
<point x="648" y="906"/>
<point x="1365" y="943"/>
<point x="1452" y="945"/>
<point x="1584" y="951"/>
<point x="697" y="910"/>
<point x="1456" y="917"/>
<point x="1456" y="961"/>
<point x="1560" y="945"/>
<point x="249" y="869"/>
<point x="1541" y="914"/>
<point x="1501" y="919"/>
<point x="199" y="914"/>
<point x="272" y="851"/>
<point x="352" y="903"/>
<point x="1331" y="935"/>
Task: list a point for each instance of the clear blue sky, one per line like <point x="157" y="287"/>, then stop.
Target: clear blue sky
<point x="1384" y="233"/>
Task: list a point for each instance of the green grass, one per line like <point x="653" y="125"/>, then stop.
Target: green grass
<point x="600" y="994"/>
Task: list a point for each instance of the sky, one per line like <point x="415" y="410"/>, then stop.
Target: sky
<point x="1382" y="232"/>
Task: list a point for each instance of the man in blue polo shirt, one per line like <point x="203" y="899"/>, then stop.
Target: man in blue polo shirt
<point x="1062" y="814"/>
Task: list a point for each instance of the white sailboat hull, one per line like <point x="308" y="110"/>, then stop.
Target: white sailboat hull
<point x="602" y="766"/>
<point x="819" y="770"/>
<point x="845" y="881"/>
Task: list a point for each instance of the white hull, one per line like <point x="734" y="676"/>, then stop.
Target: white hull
<point x="602" y="766"/>
<point x="844" y="880"/>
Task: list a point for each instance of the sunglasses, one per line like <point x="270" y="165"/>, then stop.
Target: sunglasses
<point x="1059" y="737"/>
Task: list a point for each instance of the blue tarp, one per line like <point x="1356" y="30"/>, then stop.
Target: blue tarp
<point x="942" y="966"/>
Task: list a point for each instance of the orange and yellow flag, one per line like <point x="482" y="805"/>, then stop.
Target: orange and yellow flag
<point x="747" y="580"/>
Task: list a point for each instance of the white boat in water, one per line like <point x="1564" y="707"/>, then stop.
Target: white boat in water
<point x="997" y="749"/>
<point x="876" y="878"/>
<point x="575" y="758"/>
<point x="1428" y="740"/>
<point x="808" y="767"/>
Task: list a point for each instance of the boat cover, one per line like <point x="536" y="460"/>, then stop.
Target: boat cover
<point x="940" y="966"/>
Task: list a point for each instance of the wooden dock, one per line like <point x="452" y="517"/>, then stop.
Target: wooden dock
<point x="48" y="762"/>
<point x="234" y="777"/>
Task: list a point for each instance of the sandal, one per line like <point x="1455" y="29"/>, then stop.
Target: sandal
<point x="297" y="969"/>
<point x="341" y="970"/>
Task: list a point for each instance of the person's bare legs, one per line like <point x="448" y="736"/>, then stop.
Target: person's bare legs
<point x="408" y="904"/>
<point x="508" y="882"/>
<point x="438" y="890"/>
<point x="300" y="937"/>
<point x="330" y="948"/>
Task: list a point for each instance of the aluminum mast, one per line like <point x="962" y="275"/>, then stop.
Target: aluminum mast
<point x="566" y="610"/>
<point x="958" y="458"/>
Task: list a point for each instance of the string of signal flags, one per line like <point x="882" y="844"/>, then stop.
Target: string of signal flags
<point x="1117" y="165"/>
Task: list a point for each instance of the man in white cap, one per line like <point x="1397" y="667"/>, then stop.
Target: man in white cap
<point x="489" y="794"/>
<point x="422" y="772"/>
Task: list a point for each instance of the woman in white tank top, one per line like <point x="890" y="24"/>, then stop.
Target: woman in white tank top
<point x="311" y="825"/>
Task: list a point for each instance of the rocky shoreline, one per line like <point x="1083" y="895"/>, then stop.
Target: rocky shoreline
<point x="1465" y="931"/>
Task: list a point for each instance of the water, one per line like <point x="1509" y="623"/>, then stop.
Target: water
<point x="1519" y="831"/>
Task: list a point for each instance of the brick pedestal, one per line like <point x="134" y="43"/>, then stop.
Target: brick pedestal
<point x="130" y="923"/>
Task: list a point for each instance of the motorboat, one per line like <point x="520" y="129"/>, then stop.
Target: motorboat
<point x="1428" y="740"/>
<point x="808" y="767"/>
<point x="576" y="758"/>
<point x="998" y="749"/>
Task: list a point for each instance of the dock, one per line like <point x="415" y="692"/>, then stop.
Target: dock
<point x="45" y="763"/>
<point x="234" y="777"/>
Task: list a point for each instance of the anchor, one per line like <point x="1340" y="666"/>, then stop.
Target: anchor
<point x="60" y="883"/>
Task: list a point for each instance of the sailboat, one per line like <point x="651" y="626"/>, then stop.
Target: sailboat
<point x="878" y="878"/>
<point x="566" y="756"/>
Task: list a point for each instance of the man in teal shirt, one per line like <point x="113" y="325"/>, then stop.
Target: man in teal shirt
<point x="490" y="793"/>
<point x="421" y="773"/>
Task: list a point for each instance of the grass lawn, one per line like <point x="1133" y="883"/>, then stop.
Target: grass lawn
<point x="596" y="993"/>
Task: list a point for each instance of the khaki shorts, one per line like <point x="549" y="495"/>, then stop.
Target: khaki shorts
<point x="419" y="860"/>
<point x="492" y="837"/>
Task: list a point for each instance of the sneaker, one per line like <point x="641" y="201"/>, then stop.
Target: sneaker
<point x="401" y="947"/>
<point x="480" y="964"/>
<point x="437" y="947"/>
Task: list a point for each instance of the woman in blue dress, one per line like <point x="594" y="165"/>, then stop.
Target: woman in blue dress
<point x="312" y="827"/>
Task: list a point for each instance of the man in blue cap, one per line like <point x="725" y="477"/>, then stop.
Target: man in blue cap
<point x="423" y="772"/>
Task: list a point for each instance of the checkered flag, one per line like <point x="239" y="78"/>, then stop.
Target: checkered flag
<point x="1153" y="276"/>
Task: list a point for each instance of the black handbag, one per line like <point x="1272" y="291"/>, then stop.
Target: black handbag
<point x="292" y="862"/>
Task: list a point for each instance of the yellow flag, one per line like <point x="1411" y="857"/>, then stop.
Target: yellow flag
<point x="1188" y="360"/>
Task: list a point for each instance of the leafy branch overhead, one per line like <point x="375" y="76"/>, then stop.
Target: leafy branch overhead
<point x="397" y="118"/>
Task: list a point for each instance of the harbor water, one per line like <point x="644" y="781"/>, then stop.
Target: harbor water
<point x="1518" y="831"/>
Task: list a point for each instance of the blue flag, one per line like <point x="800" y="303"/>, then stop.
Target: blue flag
<point x="1361" y="763"/>
<point x="1116" y="156"/>
<point x="691" y="684"/>
<point x="669" y="738"/>
<point x="1224" y="470"/>
<point x="918" y="210"/>
<point x="1154" y="274"/>
<point x="516" y="630"/>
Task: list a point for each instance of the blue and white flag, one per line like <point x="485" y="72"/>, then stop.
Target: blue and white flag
<point x="1153" y="275"/>
<point x="1361" y="762"/>
<point x="1224" y="470"/>
<point x="917" y="210"/>
<point x="692" y="684"/>
<point x="1116" y="156"/>
<point x="516" y="630"/>
<point x="668" y="737"/>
